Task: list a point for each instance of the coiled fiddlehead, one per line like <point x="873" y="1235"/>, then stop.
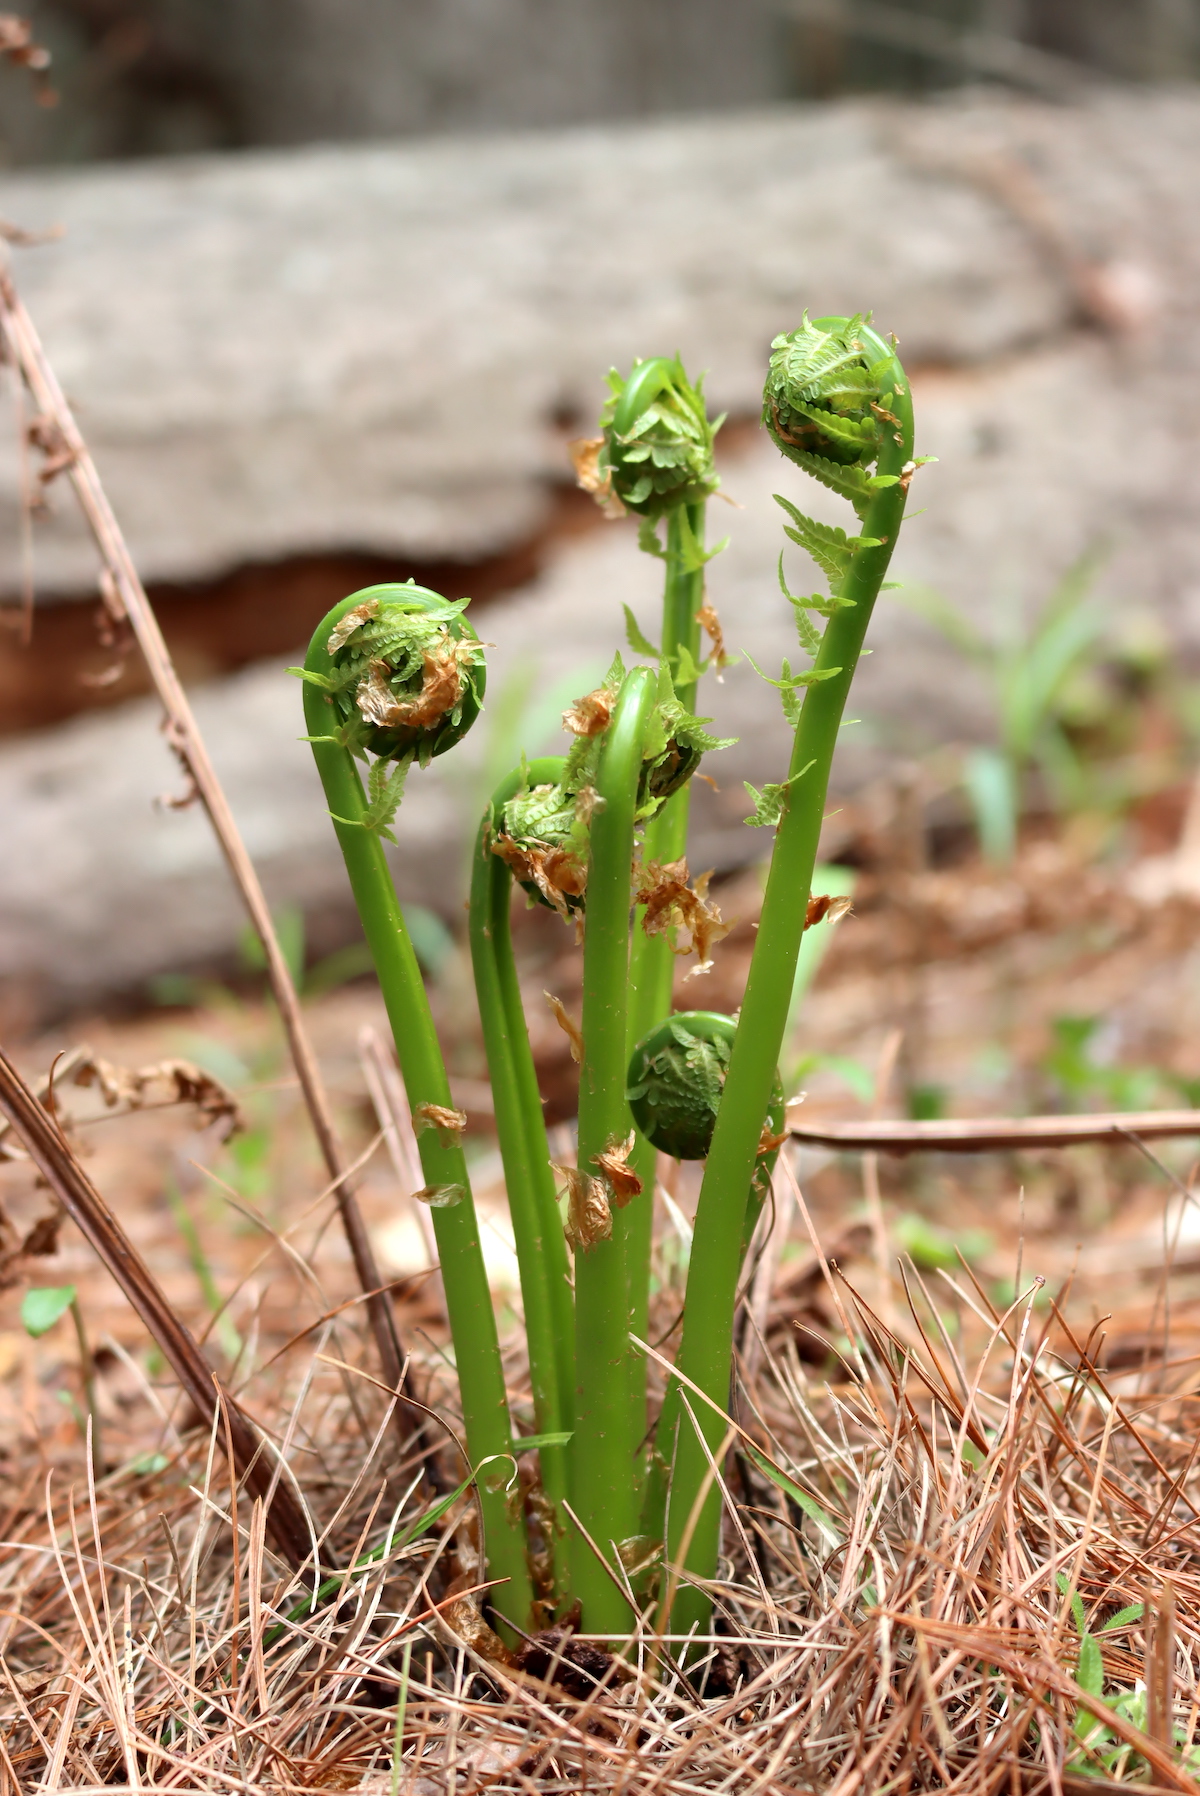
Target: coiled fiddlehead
<point x="655" y="450"/>
<point x="543" y="830"/>
<point x="541" y="833"/>
<point x="824" y="402"/>
<point x="655" y="457"/>
<point x="676" y="1078"/>
<point x="405" y="673"/>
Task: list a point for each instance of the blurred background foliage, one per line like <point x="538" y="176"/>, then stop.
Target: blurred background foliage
<point x="155" y="77"/>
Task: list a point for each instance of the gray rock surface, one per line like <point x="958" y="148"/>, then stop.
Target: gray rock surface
<point x="1039" y="267"/>
<point x="366" y="347"/>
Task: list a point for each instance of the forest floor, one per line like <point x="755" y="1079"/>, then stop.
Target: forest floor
<point x="977" y="1375"/>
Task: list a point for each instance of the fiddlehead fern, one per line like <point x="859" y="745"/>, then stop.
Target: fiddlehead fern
<point x="836" y="392"/>
<point x="655" y="457"/>
<point x="529" y="1178"/>
<point x="335" y="721"/>
<point x="404" y="673"/>
<point x="655" y="450"/>
<point x="676" y="1078"/>
<point x="543" y="830"/>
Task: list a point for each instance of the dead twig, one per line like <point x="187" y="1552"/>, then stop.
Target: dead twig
<point x="979" y="1135"/>
<point x="48" y="1149"/>
<point x="126" y="600"/>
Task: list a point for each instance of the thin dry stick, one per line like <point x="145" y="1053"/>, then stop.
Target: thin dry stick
<point x="126" y="596"/>
<point x="51" y="1154"/>
<point x="989" y="1134"/>
<point x="1160" y="1662"/>
<point x="883" y="1078"/>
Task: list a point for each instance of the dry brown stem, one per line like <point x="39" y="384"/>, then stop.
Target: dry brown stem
<point x="126" y="596"/>
<point x="990" y="1134"/>
<point x="49" y="1150"/>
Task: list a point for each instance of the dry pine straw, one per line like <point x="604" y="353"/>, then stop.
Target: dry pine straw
<point x="907" y="1625"/>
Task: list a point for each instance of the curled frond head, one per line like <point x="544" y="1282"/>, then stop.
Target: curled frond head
<point x="675" y="1080"/>
<point x="656" y="447"/>
<point x="403" y="669"/>
<point x="826" y="391"/>
<point x="541" y="834"/>
<point x="677" y="744"/>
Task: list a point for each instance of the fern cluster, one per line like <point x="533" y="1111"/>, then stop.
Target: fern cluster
<point x="394" y="675"/>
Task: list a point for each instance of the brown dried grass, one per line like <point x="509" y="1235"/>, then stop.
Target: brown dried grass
<point x="895" y="1620"/>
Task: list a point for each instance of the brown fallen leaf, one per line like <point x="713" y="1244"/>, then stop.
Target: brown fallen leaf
<point x="448" y="1123"/>
<point x="585" y="459"/>
<point x="591" y="714"/>
<point x="463" y="1617"/>
<point x="42" y="1240"/>
<point x="161" y="1084"/>
<point x="440" y="1197"/>
<point x="707" y="617"/>
<point x="767" y="1143"/>
<point x="589" y="1218"/>
<point x="441" y="688"/>
<point x="672" y="904"/>
<point x="825" y="907"/>
<point x="569" y="1028"/>
<point x="353" y="620"/>
<point x="557" y="874"/>
<point x="623" y="1183"/>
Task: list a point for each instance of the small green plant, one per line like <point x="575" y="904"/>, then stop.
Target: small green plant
<point x="1098" y="1752"/>
<point x="1082" y="1075"/>
<point x="41" y="1307"/>
<point x="394" y="676"/>
<point x="1030" y="667"/>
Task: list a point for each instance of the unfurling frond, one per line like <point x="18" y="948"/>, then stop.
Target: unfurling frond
<point x="405" y="676"/>
<point x="385" y="789"/>
<point x="674" y="747"/>
<point x="638" y="642"/>
<point x="828" y="545"/>
<point x="848" y="482"/>
<point x="824" y="400"/>
<point x="790" y="682"/>
<point x="656" y="447"/>
<point x="771" y="802"/>
<point x="810" y="636"/>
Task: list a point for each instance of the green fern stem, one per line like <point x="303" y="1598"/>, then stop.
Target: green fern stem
<point x="529" y="1178"/>
<point x="706" y="1347"/>
<point x="652" y="965"/>
<point x="468" y="1298"/>
<point x="608" y="1432"/>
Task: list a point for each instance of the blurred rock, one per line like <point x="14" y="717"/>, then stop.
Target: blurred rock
<point x="369" y="348"/>
<point x="377" y="348"/>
